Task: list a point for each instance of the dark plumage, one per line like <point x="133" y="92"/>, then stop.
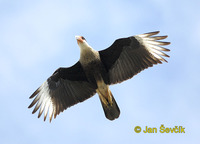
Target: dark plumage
<point x="95" y="71"/>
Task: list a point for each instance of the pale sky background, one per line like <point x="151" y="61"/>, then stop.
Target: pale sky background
<point x="37" y="37"/>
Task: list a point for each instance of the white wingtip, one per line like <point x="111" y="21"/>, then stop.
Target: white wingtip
<point x="43" y="101"/>
<point x="152" y="45"/>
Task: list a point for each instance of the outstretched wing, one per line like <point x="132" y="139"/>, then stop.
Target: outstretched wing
<point x="128" y="56"/>
<point x="66" y="87"/>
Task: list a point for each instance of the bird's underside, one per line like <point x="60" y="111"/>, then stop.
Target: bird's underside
<point x="95" y="71"/>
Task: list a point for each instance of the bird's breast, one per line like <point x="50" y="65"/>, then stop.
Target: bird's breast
<point x="89" y="55"/>
<point x="93" y="66"/>
<point x="95" y="71"/>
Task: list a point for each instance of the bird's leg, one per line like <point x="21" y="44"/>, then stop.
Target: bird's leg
<point x="103" y="99"/>
<point x="109" y="97"/>
<point x="104" y="92"/>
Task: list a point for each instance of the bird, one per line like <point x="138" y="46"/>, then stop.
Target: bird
<point x="96" y="71"/>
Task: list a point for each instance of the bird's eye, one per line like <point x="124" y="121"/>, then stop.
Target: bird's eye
<point x="83" y="38"/>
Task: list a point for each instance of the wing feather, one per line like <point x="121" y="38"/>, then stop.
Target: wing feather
<point x="128" y="56"/>
<point x="66" y="87"/>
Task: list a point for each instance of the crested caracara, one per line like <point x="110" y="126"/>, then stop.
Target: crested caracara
<point x="95" y="71"/>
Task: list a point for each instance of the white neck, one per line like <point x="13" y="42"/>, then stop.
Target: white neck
<point x="87" y="53"/>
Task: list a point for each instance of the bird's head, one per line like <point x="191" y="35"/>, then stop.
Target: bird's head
<point x="81" y="41"/>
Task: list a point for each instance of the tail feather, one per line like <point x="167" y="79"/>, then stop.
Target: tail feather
<point x="111" y="110"/>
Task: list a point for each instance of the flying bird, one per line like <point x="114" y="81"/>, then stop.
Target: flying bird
<point x="95" y="71"/>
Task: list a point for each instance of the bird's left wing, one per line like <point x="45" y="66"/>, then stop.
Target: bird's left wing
<point x="66" y="87"/>
<point x="128" y="56"/>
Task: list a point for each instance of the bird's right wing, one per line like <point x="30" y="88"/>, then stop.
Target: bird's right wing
<point x="66" y="87"/>
<point x="128" y="56"/>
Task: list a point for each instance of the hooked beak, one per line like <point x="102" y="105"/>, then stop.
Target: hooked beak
<point x="79" y="39"/>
